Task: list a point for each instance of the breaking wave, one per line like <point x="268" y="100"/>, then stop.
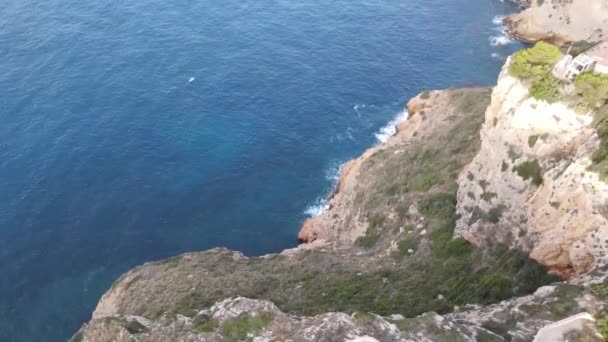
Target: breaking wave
<point x="497" y="20"/>
<point x="390" y="129"/>
<point x="502" y="38"/>
<point x="321" y="204"/>
<point x="319" y="207"/>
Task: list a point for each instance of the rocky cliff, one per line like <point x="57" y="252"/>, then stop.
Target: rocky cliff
<point x="530" y="184"/>
<point x="383" y="264"/>
<point x="446" y="232"/>
<point x="561" y="21"/>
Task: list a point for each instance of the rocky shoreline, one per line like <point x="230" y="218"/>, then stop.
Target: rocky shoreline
<point x="315" y="228"/>
<point x="427" y="236"/>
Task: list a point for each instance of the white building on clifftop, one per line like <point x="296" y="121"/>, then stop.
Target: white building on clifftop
<point x="594" y="59"/>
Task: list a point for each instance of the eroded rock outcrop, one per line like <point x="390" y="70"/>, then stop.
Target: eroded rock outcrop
<point x="530" y="184"/>
<point x="561" y="21"/>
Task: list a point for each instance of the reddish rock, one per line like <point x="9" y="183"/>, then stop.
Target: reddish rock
<point x="470" y="238"/>
<point x="415" y="105"/>
<point x="564" y="272"/>
<point x="306" y="234"/>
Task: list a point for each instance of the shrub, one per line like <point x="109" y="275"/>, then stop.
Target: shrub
<point x="372" y="234"/>
<point x="600" y="290"/>
<point x="425" y="95"/>
<point x="458" y="246"/>
<point x="237" y="329"/>
<point x="204" y="323"/>
<point x="487" y="196"/>
<point x="592" y="89"/>
<point x="532" y="140"/>
<point x="546" y="88"/>
<point x="404" y="245"/>
<point x="534" y="63"/>
<point x="497" y="287"/>
<point x="424" y="181"/>
<point x="187" y="305"/>
<point x="364" y="317"/>
<point x="440" y="205"/>
<point x="493" y="215"/>
<point x="580" y="46"/>
<point x="368" y="240"/>
<point x="602" y="325"/>
<point x="530" y="170"/>
<point x="600" y="157"/>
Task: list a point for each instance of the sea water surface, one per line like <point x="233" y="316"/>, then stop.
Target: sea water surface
<point x="110" y="157"/>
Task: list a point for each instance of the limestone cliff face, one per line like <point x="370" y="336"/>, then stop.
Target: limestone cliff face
<point x="561" y="21"/>
<point x="530" y="185"/>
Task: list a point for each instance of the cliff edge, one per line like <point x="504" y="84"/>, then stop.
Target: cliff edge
<point x="531" y="183"/>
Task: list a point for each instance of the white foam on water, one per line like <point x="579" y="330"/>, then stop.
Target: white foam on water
<point x="333" y="173"/>
<point x="497" y="20"/>
<point x="391" y="127"/>
<point x="502" y="38"/>
<point x="319" y="207"/>
<point x="321" y="204"/>
<point x="497" y="56"/>
<point x="338" y="137"/>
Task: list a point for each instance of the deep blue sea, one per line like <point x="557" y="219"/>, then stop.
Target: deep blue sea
<point x="110" y="157"/>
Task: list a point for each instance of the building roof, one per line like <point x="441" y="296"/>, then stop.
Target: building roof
<point x="599" y="52"/>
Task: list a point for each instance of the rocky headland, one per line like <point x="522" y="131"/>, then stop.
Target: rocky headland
<point x="483" y="218"/>
<point x="560" y="21"/>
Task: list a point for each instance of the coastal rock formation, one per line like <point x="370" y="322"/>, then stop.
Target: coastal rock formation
<point x="560" y="21"/>
<point x="382" y="263"/>
<point x="530" y="185"/>
<point x="349" y="209"/>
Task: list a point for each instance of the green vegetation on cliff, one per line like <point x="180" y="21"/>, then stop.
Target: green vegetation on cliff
<point x="534" y="65"/>
<point x="407" y="262"/>
<point x="237" y="329"/>
<point x="592" y="91"/>
<point x="530" y="170"/>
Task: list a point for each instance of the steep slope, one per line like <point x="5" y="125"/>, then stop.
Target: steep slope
<point x="530" y="185"/>
<point x="384" y="246"/>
